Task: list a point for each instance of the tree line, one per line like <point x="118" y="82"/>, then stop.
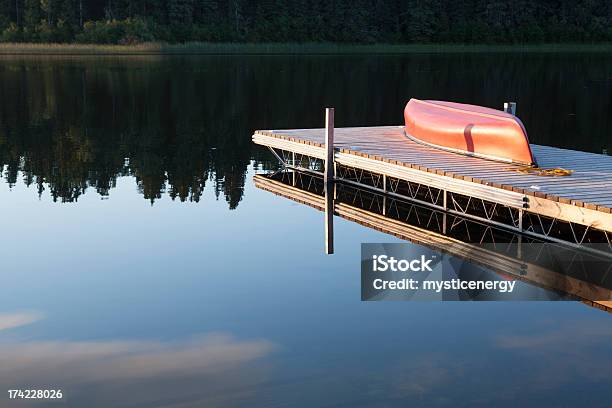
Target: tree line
<point x="352" y="21"/>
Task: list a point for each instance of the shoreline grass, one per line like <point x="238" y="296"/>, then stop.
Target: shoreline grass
<point x="203" y="48"/>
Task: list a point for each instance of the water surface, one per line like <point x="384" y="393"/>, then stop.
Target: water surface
<point x="141" y="267"/>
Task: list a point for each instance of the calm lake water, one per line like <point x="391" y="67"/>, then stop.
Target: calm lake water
<point x="141" y="267"/>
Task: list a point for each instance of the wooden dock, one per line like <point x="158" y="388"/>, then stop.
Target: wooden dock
<point x="385" y="160"/>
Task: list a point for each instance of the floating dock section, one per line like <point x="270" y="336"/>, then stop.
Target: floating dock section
<point x="575" y="209"/>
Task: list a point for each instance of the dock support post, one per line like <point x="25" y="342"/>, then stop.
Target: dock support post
<point x="329" y="144"/>
<point x="384" y="204"/>
<point x="328" y="179"/>
<point x="444" y="216"/>
<point x="510" y="107"/>
<point x="293" y="170"/>
<point x="445" y="206"/>
<point x="330" y="192"/>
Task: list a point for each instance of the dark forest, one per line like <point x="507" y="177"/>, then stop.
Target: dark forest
<point x="344" y="21"/>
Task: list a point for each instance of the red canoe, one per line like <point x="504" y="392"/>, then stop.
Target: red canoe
<point x="468" y="129"/>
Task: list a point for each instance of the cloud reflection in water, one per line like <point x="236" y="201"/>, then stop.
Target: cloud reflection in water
<point x="14" y="320"/>
<point x="211" y="370"/>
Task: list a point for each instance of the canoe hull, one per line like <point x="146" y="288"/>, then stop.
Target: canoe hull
<point x="469" y="130"/>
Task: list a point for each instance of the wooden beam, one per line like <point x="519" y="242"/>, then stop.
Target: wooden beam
<point x="329" y="218"/>
<point x="329" y="145"/>
<point x="571" y="213"/>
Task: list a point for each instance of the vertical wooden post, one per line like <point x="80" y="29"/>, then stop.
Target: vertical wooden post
<point x="445" y="205"/>
<point x="329" y="181"/>
<point x="329" y="144"/>
<point x="384" y="205"/>
<point x="330" y="192"/>
<point x="293" y="170"/>
<point x="510" y="107"/>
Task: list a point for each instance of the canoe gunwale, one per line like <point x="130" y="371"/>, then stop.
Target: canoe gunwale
<point x="501" y="115"/>
<point x="467" y="153"/>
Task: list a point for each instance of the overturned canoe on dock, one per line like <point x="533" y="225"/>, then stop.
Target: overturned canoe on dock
<point x="468" y="129"/>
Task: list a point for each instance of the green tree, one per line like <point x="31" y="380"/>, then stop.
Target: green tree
<point x="180" y="11"/>
<point x="32" y="13"/>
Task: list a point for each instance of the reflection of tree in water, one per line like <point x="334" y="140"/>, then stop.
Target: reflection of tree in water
<point x="174" y="124"/>
<point x="72" y="127"/>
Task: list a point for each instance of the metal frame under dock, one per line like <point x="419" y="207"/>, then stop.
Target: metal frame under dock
<point x="575" y="209"/>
